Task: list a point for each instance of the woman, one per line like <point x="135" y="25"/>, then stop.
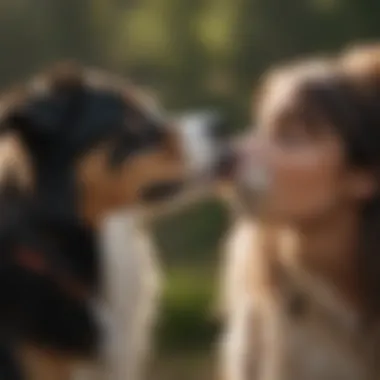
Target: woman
<point x="308" y="263"/>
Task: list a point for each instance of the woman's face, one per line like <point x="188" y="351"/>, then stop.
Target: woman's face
<point x="293" y="165"/>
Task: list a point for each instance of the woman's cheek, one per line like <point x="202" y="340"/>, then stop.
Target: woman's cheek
<point x="292" y="176"/>
<point x="302" y="186"/>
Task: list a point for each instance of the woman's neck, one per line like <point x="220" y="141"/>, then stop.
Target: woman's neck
<point x="328" y="249"/>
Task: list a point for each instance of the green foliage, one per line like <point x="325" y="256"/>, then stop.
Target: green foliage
<point x="186" y="320"/>
<point x="189" y="237"/>
<point x="192" y="52"/>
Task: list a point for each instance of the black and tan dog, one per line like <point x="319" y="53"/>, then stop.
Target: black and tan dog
<point x="76" y="147"/>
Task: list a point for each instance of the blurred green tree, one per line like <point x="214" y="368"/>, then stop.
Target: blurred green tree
<point x="192" y="53"/>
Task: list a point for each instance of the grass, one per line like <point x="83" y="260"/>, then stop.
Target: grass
<point x="187" y="331"/>
<point x="183" y="366"/>
<point x="186" y="321"/>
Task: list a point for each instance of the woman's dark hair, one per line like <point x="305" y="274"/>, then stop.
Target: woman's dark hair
<point x="361" y="66"/>
<point x="344" y="93"/>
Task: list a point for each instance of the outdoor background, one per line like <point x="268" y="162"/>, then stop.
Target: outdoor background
<point x="193" y="54"/>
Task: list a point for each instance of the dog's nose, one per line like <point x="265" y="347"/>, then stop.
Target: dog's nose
<point x="218" y="129"/>
<point x="227" y="156"/>
<point x="226" y="163"/>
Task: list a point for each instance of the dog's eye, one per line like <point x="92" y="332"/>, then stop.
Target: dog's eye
<point x="132" y="141"/>
<point x="151" y="133"/>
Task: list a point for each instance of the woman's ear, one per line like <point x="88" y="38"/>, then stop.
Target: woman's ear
<point x="362" y="184"/>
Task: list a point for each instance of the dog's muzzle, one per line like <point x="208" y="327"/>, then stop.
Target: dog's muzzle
<point x="205" y="145"/>
<point x="208" y="157"/>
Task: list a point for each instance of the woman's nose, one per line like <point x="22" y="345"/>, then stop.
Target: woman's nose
<point x="249" y="147"/>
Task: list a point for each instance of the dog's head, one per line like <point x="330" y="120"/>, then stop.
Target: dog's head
<point x="94" y="144"/>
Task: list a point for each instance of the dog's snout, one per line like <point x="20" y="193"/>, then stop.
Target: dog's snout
<point x="227" y="158"/>
<point x="218" y="129"/>
<point x="226" y="163"/>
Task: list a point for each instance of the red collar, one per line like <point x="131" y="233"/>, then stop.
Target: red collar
<point x="35" y="261"/>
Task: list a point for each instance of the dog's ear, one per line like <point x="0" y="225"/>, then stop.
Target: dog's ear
<point x="73" y="115"/>
<point x="39" y="118"/>
<point x="46" y="102"/>
<point x="43" y="117"/>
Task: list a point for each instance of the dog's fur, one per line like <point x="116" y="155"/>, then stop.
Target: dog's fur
<point x="79" y="153"/>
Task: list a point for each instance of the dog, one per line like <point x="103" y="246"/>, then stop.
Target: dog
<point x="82" y="154"/>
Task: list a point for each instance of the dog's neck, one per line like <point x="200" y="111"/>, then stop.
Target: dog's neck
<point x="66" y="245"/>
